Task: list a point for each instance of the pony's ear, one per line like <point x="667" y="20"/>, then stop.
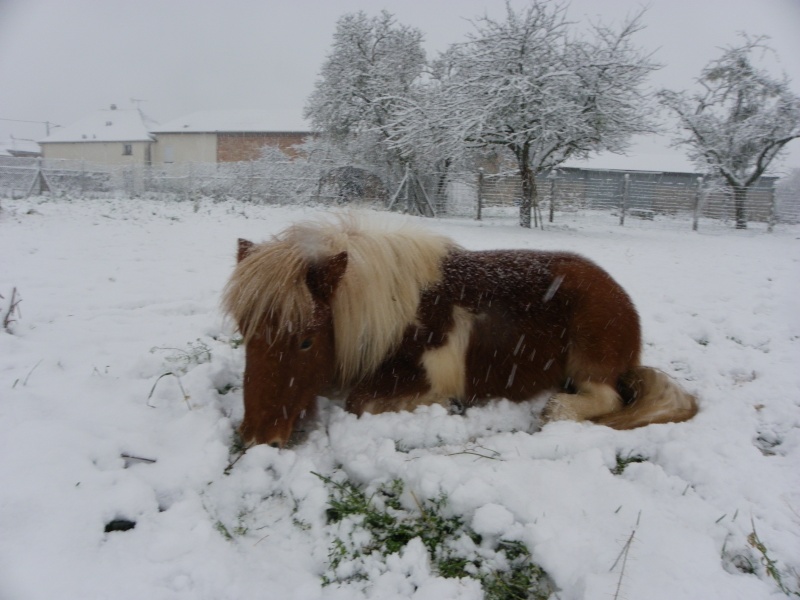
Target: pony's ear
<point x="243" y="248"/>
<point x="323" y="277"/>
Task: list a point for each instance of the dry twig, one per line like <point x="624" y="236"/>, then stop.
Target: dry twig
<point x="13" y="309"/>
<point x="623" y="555"/>
<point x="183" y="391"/>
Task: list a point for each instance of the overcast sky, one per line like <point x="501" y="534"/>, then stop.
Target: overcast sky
<point x="63" y="59"/>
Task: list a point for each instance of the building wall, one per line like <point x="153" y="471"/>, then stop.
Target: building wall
<point x="220" y="147"/>
<point x="108" y="153"/>
<point x="185" y="148"/>
<point x="235" y="147"/>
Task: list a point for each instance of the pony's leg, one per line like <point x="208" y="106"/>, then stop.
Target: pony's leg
<point x="591" y="400"/>
<point x="398" y="385"/>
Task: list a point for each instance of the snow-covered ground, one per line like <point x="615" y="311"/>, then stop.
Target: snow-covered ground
<point x="116" y="294"/>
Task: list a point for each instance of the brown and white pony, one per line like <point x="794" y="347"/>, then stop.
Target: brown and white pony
<point x="395" y="317"/>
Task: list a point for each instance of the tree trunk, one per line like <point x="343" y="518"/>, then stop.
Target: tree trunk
<point x="528" y="187"/>
<point x="740" y="205"/>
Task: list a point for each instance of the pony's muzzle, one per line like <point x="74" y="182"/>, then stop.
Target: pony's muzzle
<point x="277" y="439"/>
<point x="276" y="442"/>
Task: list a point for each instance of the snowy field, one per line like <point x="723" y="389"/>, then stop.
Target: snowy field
<point x="119" y="398"/>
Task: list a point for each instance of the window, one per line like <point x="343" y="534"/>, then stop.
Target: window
<point x="127" y="149"/>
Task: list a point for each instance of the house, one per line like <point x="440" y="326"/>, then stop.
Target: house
<point x="217" y="136"/>
<point x="112" y="136"/>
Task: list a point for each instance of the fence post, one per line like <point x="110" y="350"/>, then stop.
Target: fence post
<point x="250" y="183"/>
<point x="773" y="210"/>
<point x="626" y="189"/>
<point x="552" y="178"/>
<point x="697" y="197"/>
<point x="37" y="180"/>
<point x="480" y="195"/>
<point x="40" y="181"/>
<point x="190" y="183"/>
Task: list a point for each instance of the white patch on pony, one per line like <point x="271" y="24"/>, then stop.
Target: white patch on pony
<point x="591" y="401"/>
<point x="445" y="366"/>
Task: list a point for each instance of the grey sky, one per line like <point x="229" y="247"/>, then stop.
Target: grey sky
<point x="62" y="59"/>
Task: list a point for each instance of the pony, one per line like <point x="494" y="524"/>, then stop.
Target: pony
<point x="391" y="316"/>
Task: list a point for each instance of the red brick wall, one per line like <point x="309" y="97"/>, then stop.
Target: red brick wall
<point x="235" y="147"/>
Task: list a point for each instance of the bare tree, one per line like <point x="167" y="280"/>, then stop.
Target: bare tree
<point x="739" y="120"/>
<point x="531" y="86"/>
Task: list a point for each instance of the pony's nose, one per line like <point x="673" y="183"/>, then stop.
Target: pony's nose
<point x="276" y="442"/>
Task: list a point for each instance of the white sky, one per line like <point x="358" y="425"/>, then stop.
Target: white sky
<point x="60" y="60"/>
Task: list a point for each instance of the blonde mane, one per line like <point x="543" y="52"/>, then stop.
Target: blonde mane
<point x="389" y="266"/>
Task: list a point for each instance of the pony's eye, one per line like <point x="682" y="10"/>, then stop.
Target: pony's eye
<point x="306" y="344"/>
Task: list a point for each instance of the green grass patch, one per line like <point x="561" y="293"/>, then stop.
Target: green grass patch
<point x="369" y="528"/>
<point x="624" y="461"/>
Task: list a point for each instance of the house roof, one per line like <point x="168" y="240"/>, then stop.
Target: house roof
<point x="110" y="125"/>
<point x="651" y="152"/>
<point x="19" y="147"/>
<point x="236" y="121"/>
<point x="657" y="162"/>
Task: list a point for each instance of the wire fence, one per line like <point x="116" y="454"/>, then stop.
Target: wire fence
<point x="634" y="198"/>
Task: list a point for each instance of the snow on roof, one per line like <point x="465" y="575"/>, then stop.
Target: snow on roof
<point x="646" y="153"/>
<point x="239" y="121"/>
<point x="19" y="147"/>
<point x="662" y="163"/>
<point x="110" y="125"/>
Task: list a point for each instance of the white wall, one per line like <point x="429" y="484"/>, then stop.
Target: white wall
<point x="184" y="148"/>
<point x="109" y="153"/>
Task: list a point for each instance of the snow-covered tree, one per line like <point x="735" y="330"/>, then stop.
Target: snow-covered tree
<point x="535" y="87"/>
<point x="738" y="121"/>
<point x="374" y="62"/>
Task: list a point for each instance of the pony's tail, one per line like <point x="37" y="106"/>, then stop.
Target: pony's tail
<point x="650" y="396"/>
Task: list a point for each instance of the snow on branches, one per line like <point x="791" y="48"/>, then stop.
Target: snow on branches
<point x="738" y="121"/>
<point x="530" y="87"/>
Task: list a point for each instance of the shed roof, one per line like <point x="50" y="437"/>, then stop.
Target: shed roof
<point x="645" y="153"/>
<point x="109" y="125"/>
<point x="236" y="121"/>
